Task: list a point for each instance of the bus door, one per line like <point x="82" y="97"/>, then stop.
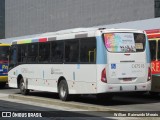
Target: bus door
<point x="126" y="58"/>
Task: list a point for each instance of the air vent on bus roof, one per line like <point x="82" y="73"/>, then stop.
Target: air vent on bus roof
<point x="101" y="28"/>
<point x="81" y="35"/>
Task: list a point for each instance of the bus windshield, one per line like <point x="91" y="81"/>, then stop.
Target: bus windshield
<point x="4" y="51"/>
<point x="124" y="42"/>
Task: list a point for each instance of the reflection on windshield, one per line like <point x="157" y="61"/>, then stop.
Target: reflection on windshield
<point x="4" y="51"/>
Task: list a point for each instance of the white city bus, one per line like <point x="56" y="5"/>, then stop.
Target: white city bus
<point x="82" y="61"/>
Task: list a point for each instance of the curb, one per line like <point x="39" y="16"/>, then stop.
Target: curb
<point x="70" y="104"/>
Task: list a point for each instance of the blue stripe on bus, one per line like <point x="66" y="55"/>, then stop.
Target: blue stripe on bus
<point x="35" y="40"/>
<point x="101" y="51"/>
<point x="148" y="54"/>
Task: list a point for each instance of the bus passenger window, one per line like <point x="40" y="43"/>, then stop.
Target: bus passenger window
<point x="158" y="52"/>
<point x="72" y="51"/>
<point x="19" y="54"/>
<point x="22" y="53"/>
<point x="32" y="52"/>
<point x="153" y="47"/>
<point x="88" y="50"/>
<point x="57" y="50"/>
<point x="44" y="52"/>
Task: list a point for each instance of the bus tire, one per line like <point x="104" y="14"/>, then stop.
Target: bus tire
<point x="2" y="85"/>
<point x="63" y="90"/>
<point x="22" y="88"/>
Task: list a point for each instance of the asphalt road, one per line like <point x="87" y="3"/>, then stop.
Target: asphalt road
<point x="17" y="111"/>
<point x="28" y="110"/>
<point x="123" y="101"/>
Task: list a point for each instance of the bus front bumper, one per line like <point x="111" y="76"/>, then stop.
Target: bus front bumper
<point x="3" y="78"/>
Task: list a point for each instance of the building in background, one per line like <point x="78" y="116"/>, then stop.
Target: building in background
<point x="2" y="19"/>
<point x="28" y="17"/>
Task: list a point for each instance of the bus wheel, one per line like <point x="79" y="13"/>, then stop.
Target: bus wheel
<point x="23" y="90"/>
<point x="2" y="85"/>
<point x="63" y="90"/>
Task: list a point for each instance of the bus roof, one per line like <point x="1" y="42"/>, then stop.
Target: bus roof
<point x="154" y="39"/>
<point x="153" y="33"/>
<point x="71" y="34"/>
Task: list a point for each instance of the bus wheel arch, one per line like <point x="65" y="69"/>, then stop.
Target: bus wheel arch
<point x="19" y="79"/>
<point x="21" y="85"/>
<point x="63" y="89"/>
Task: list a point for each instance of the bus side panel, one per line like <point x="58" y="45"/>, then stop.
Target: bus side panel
<point x="85" y="78"/>
<point x="45" y="77"/>
<point x="78" y="78"/>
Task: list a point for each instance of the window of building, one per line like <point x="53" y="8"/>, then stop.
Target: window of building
<point x="2" y="19"/>
<point x="157" y="8"/>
